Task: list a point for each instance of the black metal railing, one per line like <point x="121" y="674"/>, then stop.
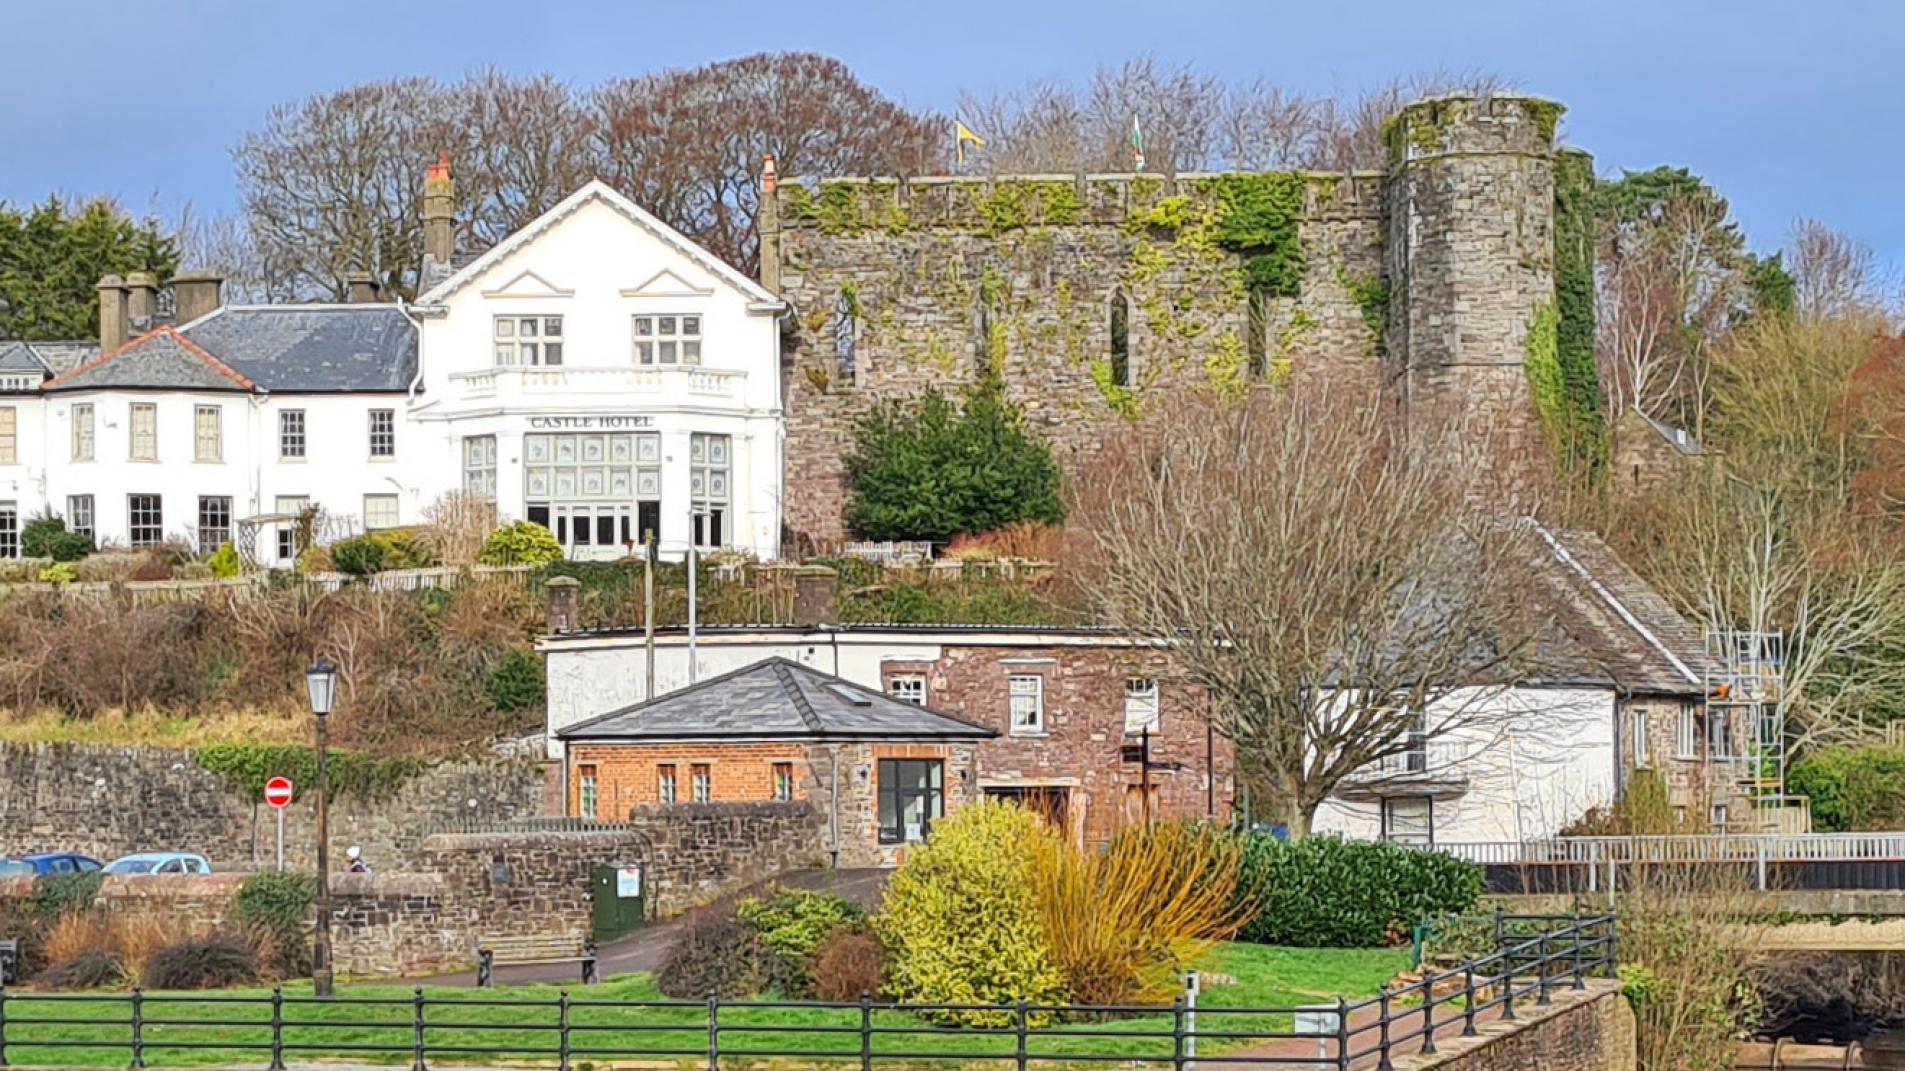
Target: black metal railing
<point x="1534" y="957"/>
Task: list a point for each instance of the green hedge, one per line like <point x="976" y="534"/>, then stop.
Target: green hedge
<point x="1325" y="892"/>
<point x="248" y="766"/>
<point x="1852" y="788"/>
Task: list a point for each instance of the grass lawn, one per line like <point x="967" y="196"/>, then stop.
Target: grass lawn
<point x="374" y="1023"/>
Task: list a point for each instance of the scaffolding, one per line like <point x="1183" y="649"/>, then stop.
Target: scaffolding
<point x="1744" y="672"/>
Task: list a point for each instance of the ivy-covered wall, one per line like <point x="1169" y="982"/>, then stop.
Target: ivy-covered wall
<point x="1227" y="282"/>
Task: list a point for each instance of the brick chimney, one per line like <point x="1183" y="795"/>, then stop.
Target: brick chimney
<point x="196" y="294"/>
<point x="142" y="302"/>
<point x="816" y="594"/>
<point x="768" y="221"/>
<point x="564" y="592"/>
<point x="112" y="313"/>
<point x="362" y="288"/>
<point x="439" y="220"/>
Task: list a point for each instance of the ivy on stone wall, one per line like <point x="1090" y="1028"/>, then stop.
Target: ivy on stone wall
<point x="1544" y="376"/>
<point x="1371" y="295"/>
<point x="1257" y="217"/>
<point x="1578" y="427"/>
<point x="366" y="777"/>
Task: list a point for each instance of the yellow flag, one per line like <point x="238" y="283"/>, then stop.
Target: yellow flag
<point x="963" y="134"/>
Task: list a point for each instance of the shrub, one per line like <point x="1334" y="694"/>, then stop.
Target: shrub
<point x="720" y="955"/>
<point x="1852" y="788"/>
<point x="271" y="907"/>
<point x="361" y="556"/>
<point x="404" y="548"/>
<point x="516" y="684"/>
<point x="55" y="895"/>
<point x="1125" y="922"/>
<point x="849" y="962"/>
<point x="212" y="962"/>
<point x="962" y="921"/>
<point x="225" y="563"/>
<point x="934" y="469"/>
<point x="91" y="969"/>
<point x="792" y="924"/>
<point x="46" y="537"/>
<point x="521" y="543"/>
<point x="1030" y="540"/>
<point x="1326" y="892"/>
<point x="59" y="573"/>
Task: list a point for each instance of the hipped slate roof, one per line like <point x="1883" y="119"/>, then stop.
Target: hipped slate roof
<point x="1619" y="620"/>
<point x="163" y="359"/>
<point x="49" y="357"/>
<point x="293" y="348"/>
<point x="19" y="357"/>
<point x="774" y="699"/>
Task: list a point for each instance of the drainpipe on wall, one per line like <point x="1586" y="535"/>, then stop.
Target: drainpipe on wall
<point x="833" y="807"/>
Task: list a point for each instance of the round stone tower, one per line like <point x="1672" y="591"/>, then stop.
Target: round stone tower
<point x="1470" y="252"/>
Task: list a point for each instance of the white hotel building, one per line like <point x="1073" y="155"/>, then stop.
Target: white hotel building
<point x="596" y="372"/>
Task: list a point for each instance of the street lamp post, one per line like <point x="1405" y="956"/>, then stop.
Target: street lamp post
<point x="321" y="680"/>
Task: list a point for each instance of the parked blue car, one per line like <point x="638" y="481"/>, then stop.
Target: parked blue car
<point x="51" y="863"/>
<point x="160" y="863"/>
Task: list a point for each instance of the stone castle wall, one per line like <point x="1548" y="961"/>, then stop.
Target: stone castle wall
<point x="110" y="801"/>
<point x="1436" y="267"/>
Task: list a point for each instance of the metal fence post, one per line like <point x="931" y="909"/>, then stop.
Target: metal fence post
<point x="1498" y="929"/>
<point x="1541" y="971"/>
<point x="563" y="1040"/>
<point x="1428" y="1011"/>
<point x="866" y="1031"/>
<point x="1177" y="1036"/>
<point x="1019" y="1036"/>
<point x="1613" y="949"/>
<point x="1468" y="999"/>
<point x="277" y="1029"/>
<point x="138" y="1027"/>
<point x="1383" y="1062"/>
<point x="1507" y="977"/>
<point x="1193" y="988"/>
<point x="416" y="1029"/>
<point x="1342" y="1033"/>
<point x="1580" y="979"/>
<point x="714" y="1031"/>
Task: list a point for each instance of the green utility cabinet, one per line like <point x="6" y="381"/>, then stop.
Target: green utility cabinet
<point x="618" y="900"/>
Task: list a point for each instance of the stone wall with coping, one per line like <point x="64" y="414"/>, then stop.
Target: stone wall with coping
<point x="111" y="801"/>
<point x="1580" y="1031"/>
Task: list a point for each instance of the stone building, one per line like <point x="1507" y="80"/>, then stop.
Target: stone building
<point x="1647" y="452"/>
<point x="879" y="769"/>
<point x="1087" y="293"/>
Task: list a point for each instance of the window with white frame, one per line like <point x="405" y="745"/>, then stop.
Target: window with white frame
<point x="1686" y="737"/>
<point x="1408" y="819"/>
<point x="79" y="515"/>
<point x="214" y="523"/>
<point x="380" y="511"/>
<point x="708" y="460"/>
<point x="145" y="520"/>
<point x="586" y="791"/>
<point x="580" y="487"/>
<point x="292" y="508"/>
<point x="672" y="339"/>
<point x="1140" y="705"/>
<point x="479" y="465"/>
<point x="383" y="433"/>
<point x="1640" y="738"/>
<point x="9" y="530"/>
<point x="291" y="433"/>
<point x="907" y="688"/>
<point x="208" y="433"/>
<point x="83" y="431"/>
<point x="528" y="341"/>
<point x="144" y="434"/>
<point x="665" y="789"/>
<point x="9" y="435"/>
<point x="783" y="782"/>
<point x="701" y="782"/>
<point x="1026" y="694"/>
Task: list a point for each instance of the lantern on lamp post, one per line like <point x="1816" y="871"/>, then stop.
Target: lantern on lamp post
<point x="321" y="681"/>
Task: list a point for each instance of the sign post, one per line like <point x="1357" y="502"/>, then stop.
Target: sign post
<point x="278" y="794"/>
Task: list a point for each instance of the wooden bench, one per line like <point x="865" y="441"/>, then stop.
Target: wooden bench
<point x="525" y="950"/>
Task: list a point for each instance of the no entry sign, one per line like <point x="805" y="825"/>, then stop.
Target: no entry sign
<point x="278" y="791"/>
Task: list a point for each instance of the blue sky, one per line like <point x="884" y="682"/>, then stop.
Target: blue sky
<point x="1790" y="109"/>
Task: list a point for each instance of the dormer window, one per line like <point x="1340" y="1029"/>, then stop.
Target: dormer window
<point x="528" y="341"/>
<point x="667" y="339"/>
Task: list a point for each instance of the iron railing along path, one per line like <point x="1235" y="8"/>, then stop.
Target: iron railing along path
<point x="1534" y="956"/>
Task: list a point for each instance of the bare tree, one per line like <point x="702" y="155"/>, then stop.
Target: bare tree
<point x="1036" y="130"/>
<point x="688" y="144"/>
<point x="223" y="243"/>
<point x="1349" y="130"/>
<point x="1833" y="273"/>
<point x="1320" y="571"/>
<point x="1264" y="128"/>
<point x="523" y="145"/>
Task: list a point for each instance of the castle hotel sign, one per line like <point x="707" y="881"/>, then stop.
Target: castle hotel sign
<point x="590" y="423"/>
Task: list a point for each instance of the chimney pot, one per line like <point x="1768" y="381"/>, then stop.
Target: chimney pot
<point x="564" y="593"/>
<point x="816" y="592"/>
<point x="196" y="294"/>
<point x="439" y="220"/>
<point x="112" y="313"/>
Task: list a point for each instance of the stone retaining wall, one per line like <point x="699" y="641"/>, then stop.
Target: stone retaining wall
<point x="1580" y="1031"/>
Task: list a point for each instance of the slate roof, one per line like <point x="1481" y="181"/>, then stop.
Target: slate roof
<point x="163" y="359"/>
<point x="1678" y="438"/>
<point x="313" y="347"/>
<point x="64" y="356"/>
<point x="19" y="357"/>
<point x="1619" y="621"/>
<point x="775" y="699"/>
